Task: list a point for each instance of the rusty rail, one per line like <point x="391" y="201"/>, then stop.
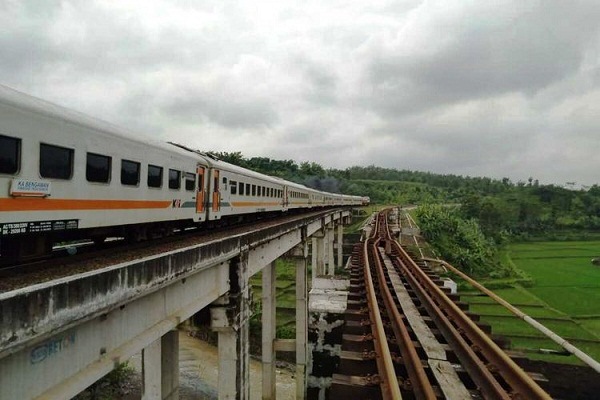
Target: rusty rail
<point x="390" y="388"/>
<point x="496" y="374"/>
<point x="418" y="378"/>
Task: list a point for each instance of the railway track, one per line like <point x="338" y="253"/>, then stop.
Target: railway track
<point x="90" y="256"/>
<point x="407" y="338"/>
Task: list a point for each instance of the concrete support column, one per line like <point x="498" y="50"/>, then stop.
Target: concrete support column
<point x="301" y="323"/>
<point x="318" y="255"/>
<point x="330" y="253"/>
<point x="151" y="371"/>
<point x="313" y="260"/>
<point x="170" y="365"/>
<point x="340" y="245"/>
<point x="269" y="306"/>
<point x="230" y="317"/>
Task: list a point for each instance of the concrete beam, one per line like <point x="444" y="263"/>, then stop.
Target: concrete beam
<point x="267" y="252"/>
<point x="66" y="363"/>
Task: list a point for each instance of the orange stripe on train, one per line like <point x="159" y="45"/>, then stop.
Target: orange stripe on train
<point x="253" y="204"/>
<point x="39" y="204"/>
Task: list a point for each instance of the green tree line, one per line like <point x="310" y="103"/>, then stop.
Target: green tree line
<point x="502" y="209"/>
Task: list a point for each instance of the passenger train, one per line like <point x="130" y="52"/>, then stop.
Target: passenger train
<point x="67" y="176"/>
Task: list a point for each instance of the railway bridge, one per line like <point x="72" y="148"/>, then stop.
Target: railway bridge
<point x="61" y="335"/>
<point x="393" y="329"/>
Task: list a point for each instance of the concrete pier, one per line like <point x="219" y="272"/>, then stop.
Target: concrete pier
<point x="327" y="306"/>
<point x="301" y="320"/>
<point x="269" y="323"/>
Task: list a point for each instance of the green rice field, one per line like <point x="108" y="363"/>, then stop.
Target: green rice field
<point x="565" y="296"/>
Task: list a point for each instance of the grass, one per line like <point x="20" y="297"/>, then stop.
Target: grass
<point x="564" y="296"/>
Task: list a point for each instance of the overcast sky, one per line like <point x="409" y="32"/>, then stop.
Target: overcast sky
<point x="479" y="88"/>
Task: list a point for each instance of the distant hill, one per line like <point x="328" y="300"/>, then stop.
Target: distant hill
<point x="501" y="207"/>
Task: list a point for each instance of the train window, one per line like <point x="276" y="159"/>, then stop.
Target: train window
<point x="253" y="190"/>
<point x="174" y="179"/>
<point x="248" y="190"/>
<point x="224" y="180"/>
<point x="130" y="172"/>
<point x="56" y="162"/>
<point x="264" y="191"/>
<point x="190" y="181"/>
<point x="10" y="149"/>
<point x="155" y="176"/>
<point x="97" y="168"/>
<point x="241" y="188"/>
<point x="233" y="185"/>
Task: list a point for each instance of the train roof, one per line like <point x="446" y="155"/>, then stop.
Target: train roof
<point x="22" y="101"/>
<point x="225" y="166"/>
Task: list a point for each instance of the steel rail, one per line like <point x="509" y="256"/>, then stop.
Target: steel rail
<point x="390" y="388"/>
<point x="416" y="373"/>
<point x="521" y="384"/>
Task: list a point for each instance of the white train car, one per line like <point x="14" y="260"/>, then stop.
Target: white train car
<point x="298" y="196"/>
<point x="64" y="175"/>
<point x="243" y="191"/>
<point x="62" y="172"/>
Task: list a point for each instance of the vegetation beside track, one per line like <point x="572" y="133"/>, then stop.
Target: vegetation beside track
<point x="564" y="295"/>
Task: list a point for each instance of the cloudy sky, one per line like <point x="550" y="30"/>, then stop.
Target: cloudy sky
<point x="482" y="88"/>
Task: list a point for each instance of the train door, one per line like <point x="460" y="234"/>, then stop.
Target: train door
<point x="285" y="198"/>
<point x="201" y="195"/>
<point x="216" y="197"/>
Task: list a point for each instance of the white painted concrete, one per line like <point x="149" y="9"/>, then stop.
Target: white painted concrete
<point x="151" y="371"/>
<point x="301" y="325"/>
<point x="340" y="246"/>
<point x="71" y="360"/>
<point x="170" y="365"/>
<point x="330" y="253"/>
<point x="269" y="323"/>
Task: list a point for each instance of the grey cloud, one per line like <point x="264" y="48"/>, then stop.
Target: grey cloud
<point x="226" y="109"/>
<point x="525" y="52"/>
<point x="503" y="88"/>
